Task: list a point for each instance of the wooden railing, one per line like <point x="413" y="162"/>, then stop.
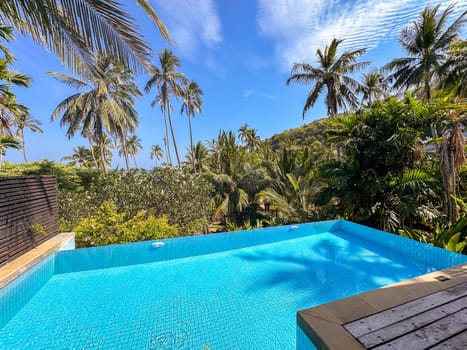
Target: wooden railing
<point x="28" y="213"/>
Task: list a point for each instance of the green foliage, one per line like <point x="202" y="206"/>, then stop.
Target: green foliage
<point x="108" y="226"/>
<point x="69" y="178"/>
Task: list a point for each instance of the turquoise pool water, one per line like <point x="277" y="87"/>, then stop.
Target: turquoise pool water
<point x="234" y="296"/>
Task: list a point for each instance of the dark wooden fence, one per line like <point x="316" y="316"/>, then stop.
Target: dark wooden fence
<point x="28" y="213"/>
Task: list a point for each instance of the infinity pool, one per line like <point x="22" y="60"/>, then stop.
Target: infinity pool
<point x="208" y="292"/>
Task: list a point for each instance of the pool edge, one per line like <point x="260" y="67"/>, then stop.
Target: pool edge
<point x="323" y="324"/>
<point x="14" y="269"/>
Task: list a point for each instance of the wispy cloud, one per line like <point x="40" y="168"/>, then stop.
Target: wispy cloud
<point x="249" y="93"/>
<point x="299" y="27"/>
<point x="193" y="24"/>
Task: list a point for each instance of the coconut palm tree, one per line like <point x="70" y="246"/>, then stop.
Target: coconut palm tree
<point x="199" y="156"/>
<point x="133" y="145"/>
<point x="25" y="121"/>
<point x="167" y="82"/>
<point x="8" y="142"/>
<point x="105" y="103"/>
<point x="454" y="70"/>
<point x="156" y="153"/>
<point x="9" y="107"/>
<point x="192" y="101"/>
<point x="332" y="74"/>
<point x="249" y="137"/>
<point x="76" y="30"/>
<point x="427" y="41"/>
<point x="81" y="156"/>
<point x="373" y="87"/>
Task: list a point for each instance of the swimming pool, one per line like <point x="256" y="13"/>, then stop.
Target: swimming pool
<point x="227" y="291"/>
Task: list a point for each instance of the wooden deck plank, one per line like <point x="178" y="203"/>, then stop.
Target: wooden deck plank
<point x="458" y="342"/>
<point x="430" y="335"/>
<point x="410" y="324"/>
<point x="388" y="317"/>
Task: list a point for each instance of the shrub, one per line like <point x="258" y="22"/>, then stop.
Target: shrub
<point x="108" y="226"/>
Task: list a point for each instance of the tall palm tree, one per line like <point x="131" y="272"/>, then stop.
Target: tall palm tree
<point x="9" y="107"/>
<point x="427" y="41"/>
<point x="81" y="156"/>
<point x="156" y="152"/>
<point x="75" y="30"/>
<point x="249" y="137"/>
<point x="199" y="156"/>
<point x="25" y="121"/>
<point x="330" y="74"/>
<point x="134" y="145"/>
<point x="454" y="70"/>
<point x="167" y="82"/>
<point x="373" y="87"/>
<point x="192" y="101"/>
<point x="106" y="103"/>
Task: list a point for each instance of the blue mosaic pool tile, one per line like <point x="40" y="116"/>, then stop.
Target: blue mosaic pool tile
<point x="17" y="293"/>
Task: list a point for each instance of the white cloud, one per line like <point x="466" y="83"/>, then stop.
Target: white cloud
<point x="193" y="24"/>
<point x="299" y="27"/>
<point x="249" y="93"/>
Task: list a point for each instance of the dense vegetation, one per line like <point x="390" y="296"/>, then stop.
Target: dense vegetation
<point x="390" y="154"/>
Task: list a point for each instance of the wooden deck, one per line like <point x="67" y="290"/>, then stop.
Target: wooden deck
<point x="436" y="321"/>
<point x="428" y="312"/>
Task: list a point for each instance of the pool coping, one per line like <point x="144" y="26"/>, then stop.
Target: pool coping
<point x="20" y="265"/>
<point x="324" y="324"/>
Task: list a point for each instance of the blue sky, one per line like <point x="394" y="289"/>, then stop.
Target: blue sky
<point x="240" y="52"/>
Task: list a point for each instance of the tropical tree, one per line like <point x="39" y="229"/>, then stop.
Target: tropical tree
<point x="76" y="30"/>
<point x="454" y="70"/>
<point x="25" y="121"/>
<point x="8" y="142"/>
<point x="167" y="82"/>
<point x="9" y="107"/>
<point x="332" y="74"/>
<point x="373" y="87"/>
<point x="156" y="152"/>
<point x="452" y="156"/>
<point x="133" y="146"/>
<point x="249" y="137"/>
<point x="192" y="101"/>
<point x="81" y="156"/>
<point x="198" y="157"/>
<point x="106" y="103"/>
<point x="427" y="42"/>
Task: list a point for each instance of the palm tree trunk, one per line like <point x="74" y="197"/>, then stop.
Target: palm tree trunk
<point x="134" y="160"/>
<point x="125" y="152"/>
<point x="92" y="152"/>
<point x="173" y="139"/>
<point x="191" y="144"/>
<point x="103" y="159"/>
<point x="21" y="135"/>
<point x="166" y="139"/>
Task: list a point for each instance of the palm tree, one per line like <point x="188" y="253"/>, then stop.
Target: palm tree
<point x="192" y="101"/>
<point x="249" y="138"/>
<point x="9" y="107"/>
<point x="156" y="152"/>
<point x="198" y="156"/>
<point x="168" y="82"/>
<point x="454" y="70"/>
<point x="81" y="156"/>
<point x="25" y="121"/>
<point x="427" y="41"/>
<point x="107" y="103"/>
<point x="133" y="145"/>
<point x="75" y="30"/>
<point x="332" y="74"/>
<point x="373" y="87"/>
<point x="8" y="142"/>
